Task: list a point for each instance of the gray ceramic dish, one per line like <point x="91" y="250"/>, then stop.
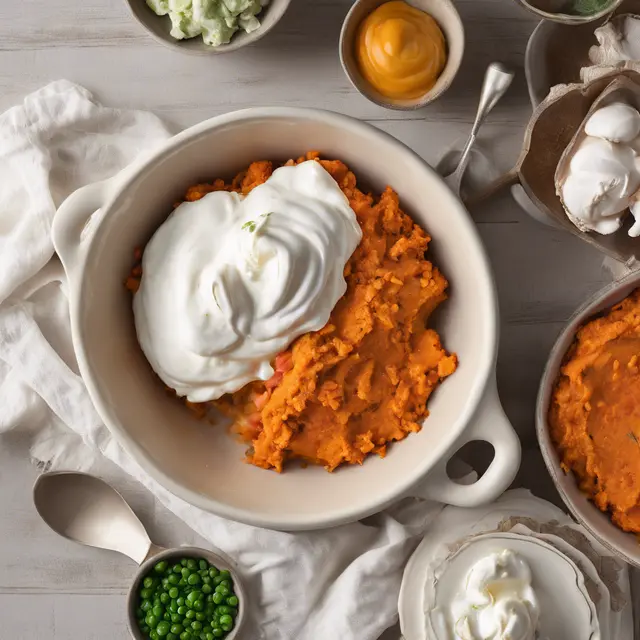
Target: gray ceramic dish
<point x="444" y="13"/>
<point x="569" y="19"/>
<point x="218" y="559"/>
<point x="158" y="28"/>
<point x="625" y="545"/>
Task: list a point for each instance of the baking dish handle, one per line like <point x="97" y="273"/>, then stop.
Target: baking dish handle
<point x="74" y="220"/>
<point x="491" y="425"/>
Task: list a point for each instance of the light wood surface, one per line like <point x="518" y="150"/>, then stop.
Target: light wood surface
<point x="50" y="588"/>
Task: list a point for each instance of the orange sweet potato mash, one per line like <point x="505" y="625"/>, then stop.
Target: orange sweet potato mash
<point x="362" y="381"/>
<point x="595" y="412"/>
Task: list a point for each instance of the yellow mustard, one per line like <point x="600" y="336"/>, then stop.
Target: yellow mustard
<point x="401" y="51"/>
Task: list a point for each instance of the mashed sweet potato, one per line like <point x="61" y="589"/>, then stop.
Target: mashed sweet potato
<point x="362" y="381"/>
<point x="595" y="412"/>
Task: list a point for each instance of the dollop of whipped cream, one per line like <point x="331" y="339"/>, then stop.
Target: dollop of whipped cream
<point x="229" y="281"/>
<point x="603" y="175"/>
<point x="497" y="602"/>
<point x="617" y="122"/>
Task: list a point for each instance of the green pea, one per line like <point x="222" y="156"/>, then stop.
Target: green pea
<point x="207" y="629"/>
<point x="145" y="606"/>
<point x="172" y="636"/>
<point x="183" y="562"/>
<point x="193" y="596"/>
<point x="190" y="614"/>
<point x="167" y="616"/>
<point x="147" y="583"/>
<point x="196" y="625"/>
<point x="209" y="636"/>
<point x="223" y="590"/>
<point x="182" y="610"/>
<point x="218" y="598"/>
<point x="217" y="632"/>
<point x="153" y="634"/>
<point x="200" y="616"/>
<point x="161" y="567"/>
<point x="194" y="579"/>
<point x="182" y="582"/>
<point x="173" y="579"/>
<point x="225" y="573"/>
<point x="180" y="601"/>
<point x="226" y="619"/>
<point x="217" y="580"/>
<point x="203" y="564"/>
<point x="173" y="593"/>
<point x="198" y="605"/>
<point x="163" y="629"/>
<point x="222" y="610"/>
<point x="151" y="620"/>
<point x="146" y="593"/>
<point x="139" y="613"/>
<point x="225" y="627"/>
<point x="186" y="635"/>
<point x="233" y="601"/>
<point x="206" y="579"/>
<point x="186" y="572"/>
<point x="177" y="629"/>
<point x="192" y="564"/>
<point x="165" y="598"/>
<point x="145" y="629"/>
<point x="164" y="582"/>
<point x="175" y="618"/>
<point x="206" y="588"/>
<point x="213" y="572"/>
<point x="233" y="612"/>
<point x="176" y="568"/>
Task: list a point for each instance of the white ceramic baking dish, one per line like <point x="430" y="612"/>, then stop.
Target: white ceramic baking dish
<point x="623" y="544"/>
<point x="201" y="463"/>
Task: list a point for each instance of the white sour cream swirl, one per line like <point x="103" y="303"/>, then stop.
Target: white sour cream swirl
<point x="229" y="282"/>
<point x="498" y="601"/>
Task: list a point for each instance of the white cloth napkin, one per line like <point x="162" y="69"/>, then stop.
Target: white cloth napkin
<point x="341" y="583"/>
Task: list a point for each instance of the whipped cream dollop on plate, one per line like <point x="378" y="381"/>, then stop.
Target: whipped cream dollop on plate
<point x="505" y="586"/>
<point x="228" y="282"/>
<point x="498" y="600"/>
<point x="600" y="185"/>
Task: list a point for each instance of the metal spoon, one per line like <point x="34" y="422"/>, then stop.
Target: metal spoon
<point x="85" y="509"/>
<point x="497" y="80"/>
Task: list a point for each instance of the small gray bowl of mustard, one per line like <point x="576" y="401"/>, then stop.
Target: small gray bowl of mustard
<point x="402" y="55"/>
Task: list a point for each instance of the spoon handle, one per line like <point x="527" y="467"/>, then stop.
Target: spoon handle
<point x="497" y="80"/>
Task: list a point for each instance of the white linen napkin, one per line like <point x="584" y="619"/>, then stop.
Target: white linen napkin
<point x="340" y="583"/>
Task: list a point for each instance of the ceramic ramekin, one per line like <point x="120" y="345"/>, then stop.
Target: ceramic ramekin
<point x="201" y="463"/>
<point x="445" y="14"/>
<point x="623" y="544"/>
<point x="158" y="27"/>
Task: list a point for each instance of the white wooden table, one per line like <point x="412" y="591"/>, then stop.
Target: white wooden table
<point x="53" y="589"/>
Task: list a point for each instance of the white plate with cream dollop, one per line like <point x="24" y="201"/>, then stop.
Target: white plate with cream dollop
<point x="586" y="571"/>
<point x="533" y="592"/>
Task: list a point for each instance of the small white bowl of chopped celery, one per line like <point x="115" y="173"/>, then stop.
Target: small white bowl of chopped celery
<point x="207" y="26"/>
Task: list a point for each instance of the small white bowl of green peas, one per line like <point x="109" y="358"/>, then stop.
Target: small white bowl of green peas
<point x="186" y="593"/>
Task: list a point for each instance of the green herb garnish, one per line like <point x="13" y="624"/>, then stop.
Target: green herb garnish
<point x="252" y="225"/>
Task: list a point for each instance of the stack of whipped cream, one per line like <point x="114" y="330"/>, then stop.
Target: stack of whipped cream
<point x="601" y="183"/>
